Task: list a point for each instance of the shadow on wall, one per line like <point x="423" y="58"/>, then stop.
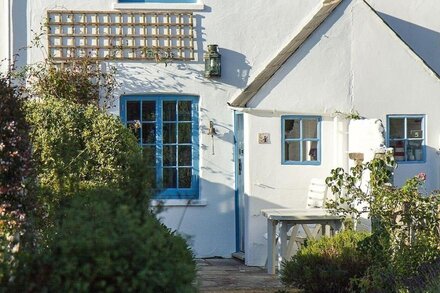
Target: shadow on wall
<point x="303" y="50"/>
<point x="235" y="68"/>
<point x="210" y="229"/>
<point x="160" y="78"/>
<point x="425" y="42"/>
<point x="19" y="32"/>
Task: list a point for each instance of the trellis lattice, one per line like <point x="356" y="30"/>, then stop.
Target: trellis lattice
<point x="124" y="35"/>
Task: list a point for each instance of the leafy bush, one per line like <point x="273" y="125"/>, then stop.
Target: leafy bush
<point x="82" y="82"/>
<point x="327" y="264"/>
<point x="16" y="202"/>
<point x="103" y="242"/>
<point x="75" y="144"/>
<point x="14" y="146"/>
<point x="406" y="232"/>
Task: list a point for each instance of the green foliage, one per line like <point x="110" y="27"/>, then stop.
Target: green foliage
<point x="405" y="222"/>
<point x="89" y="227"/>
<point x="352" y="115"/>
<point x="14" y="146"/>
<point x="103" y="242"/>
<point x="82" y="82"/>
<point x="77" y="145"/>
<point x="327" y="264"/>
<point x="16" y="202"/>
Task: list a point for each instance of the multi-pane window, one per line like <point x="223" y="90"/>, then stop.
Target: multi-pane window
<point x="406" y="135"/>
<point x="301" y="140"/>
<point x="167" y="129"/>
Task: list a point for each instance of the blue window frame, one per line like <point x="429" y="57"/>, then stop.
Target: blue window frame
<point x="406" y="135"/>
<point x="301" y="140"/>
<point x="157" y="1"/>
<point x="167" y="127"/>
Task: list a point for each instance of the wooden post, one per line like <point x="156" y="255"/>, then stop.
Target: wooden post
<point x="271" y="247"/>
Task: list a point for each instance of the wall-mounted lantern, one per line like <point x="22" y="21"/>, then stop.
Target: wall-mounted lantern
<point x="213" y="62"/>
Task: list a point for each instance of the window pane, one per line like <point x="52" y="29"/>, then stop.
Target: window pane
<point x="148" y="110"/>
<point x="310" y="151"/>
<point x="310" y="128"/>
<point x="184" y="177"/>
<point x="184" y="110"/>
<point x="134" y="127"/>
<point x="169" y="133"/>
<point x="169" y="155"/>
<point x="169" y="178"/>
<point x="399" y="149"/>
<point x="185" y="155"/>
<point x="414" y="127"/>
<point x="133" y="110"/>
<point x="149" y="152"/>
<point x="292" y="151"/>
<point x="148" y="133"/>
<point x="169" y="111"/>
<point x="397" y="127"/>
<point x="291" y="128"/>
<point x="185" y="132"/>
<point x="414" y="150"/>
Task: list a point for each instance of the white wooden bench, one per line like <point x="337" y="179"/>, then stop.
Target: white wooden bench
<point x="313" y="214"/>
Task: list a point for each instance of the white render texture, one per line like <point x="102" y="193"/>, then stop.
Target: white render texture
<point x="352" y="61"/>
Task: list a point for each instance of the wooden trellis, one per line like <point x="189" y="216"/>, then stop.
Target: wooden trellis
<point x="112" y="35"/>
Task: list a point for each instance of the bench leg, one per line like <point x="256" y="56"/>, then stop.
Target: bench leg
<point x="271" y="246"/>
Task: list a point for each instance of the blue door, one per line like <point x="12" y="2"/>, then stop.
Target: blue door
<point x="239" y="181"/>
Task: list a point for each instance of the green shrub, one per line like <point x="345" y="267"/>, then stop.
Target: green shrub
<point x="16" y="201"/>
<point x="77" y="145"/>
<point x="103" y="242"/>
<point x="405" y="221"/>
<point x="327" y="264"/>
<point x="14" y="147"/>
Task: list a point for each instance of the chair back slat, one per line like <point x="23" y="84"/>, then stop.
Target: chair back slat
<point x="316" y="195"/>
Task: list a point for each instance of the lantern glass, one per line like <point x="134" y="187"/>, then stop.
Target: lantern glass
<point x="212" y="61"/>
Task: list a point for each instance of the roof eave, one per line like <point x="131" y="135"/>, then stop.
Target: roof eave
<point x="318" y="17"/>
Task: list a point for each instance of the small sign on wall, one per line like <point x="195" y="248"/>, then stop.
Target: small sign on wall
<point x="263" y="138"/>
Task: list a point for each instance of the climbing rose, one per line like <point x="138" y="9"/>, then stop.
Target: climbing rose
<point x="421" y="176"/>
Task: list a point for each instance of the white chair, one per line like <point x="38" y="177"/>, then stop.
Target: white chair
<point x="316" y="199"/>
<point x="317" y="194"/>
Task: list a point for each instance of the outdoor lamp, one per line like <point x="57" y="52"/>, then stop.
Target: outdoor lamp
<point x="213" y="62"/>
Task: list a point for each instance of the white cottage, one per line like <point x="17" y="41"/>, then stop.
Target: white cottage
<point x="254" y="137"/>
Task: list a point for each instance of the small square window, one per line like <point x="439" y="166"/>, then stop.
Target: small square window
<point x="406" y="135"/>
<point x="301" y="140"/>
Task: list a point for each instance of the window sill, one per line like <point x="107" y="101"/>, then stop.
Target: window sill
<point x="410" y="162"/>
<point x="159" y="6"/>
<point x="180" y="202"/>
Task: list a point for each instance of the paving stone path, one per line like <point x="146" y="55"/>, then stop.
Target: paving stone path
<point x="231" y="275"/>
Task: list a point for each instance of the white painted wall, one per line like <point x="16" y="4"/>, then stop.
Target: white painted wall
<point x="417" y="23"/>
<point x="247" y="32"/>
<point x="353" y="61"/>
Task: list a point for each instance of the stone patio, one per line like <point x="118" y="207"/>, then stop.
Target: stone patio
<point x="231" y="275"/>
